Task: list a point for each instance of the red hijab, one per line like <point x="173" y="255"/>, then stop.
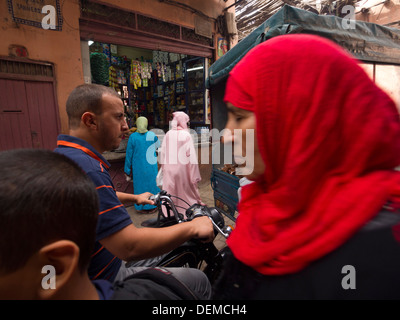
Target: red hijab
<point x="329" y="138"/>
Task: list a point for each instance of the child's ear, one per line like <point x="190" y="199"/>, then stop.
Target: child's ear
<point x="60" y="262"/>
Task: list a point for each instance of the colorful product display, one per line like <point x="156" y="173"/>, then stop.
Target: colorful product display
<point x="112" y="77"/>
<point x="154" y="88"/>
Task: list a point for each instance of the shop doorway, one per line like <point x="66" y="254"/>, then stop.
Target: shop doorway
<point x="152" y="83"/>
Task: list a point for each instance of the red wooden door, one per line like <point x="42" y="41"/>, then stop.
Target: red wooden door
<point x="15" y="129"/>
<point x="43" y="115"/>
<point x="28" y="114"/>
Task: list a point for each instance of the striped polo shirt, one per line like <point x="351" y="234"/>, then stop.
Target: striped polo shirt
<point x="112" y="215"/>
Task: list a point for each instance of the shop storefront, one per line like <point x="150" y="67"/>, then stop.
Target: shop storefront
<point x="156" y="66"/>
<point x="153" y="83"/>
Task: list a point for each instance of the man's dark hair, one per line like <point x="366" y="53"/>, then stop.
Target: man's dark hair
<point x="86" y="97"/>
<point x="44" y="197"/>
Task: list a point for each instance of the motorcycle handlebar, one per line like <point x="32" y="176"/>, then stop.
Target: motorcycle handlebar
<point x="194" y="211"/>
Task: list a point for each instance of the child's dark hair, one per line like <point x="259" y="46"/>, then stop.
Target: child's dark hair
<point x="44" y="197"/>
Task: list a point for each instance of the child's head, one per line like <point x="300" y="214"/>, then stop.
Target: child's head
<point x="48" y="216"/>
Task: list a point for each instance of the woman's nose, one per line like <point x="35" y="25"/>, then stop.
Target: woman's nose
<point x="227" y="135"/>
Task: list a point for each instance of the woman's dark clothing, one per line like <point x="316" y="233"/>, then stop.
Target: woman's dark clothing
<point x="373" y="252"/>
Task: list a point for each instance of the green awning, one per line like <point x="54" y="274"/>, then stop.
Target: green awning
<point x="366" y="41"/>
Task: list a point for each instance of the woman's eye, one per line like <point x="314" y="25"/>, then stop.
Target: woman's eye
<point x="236" y="117"/>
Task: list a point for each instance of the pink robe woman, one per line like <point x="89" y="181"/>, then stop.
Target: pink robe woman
<point x="179" y="163"/>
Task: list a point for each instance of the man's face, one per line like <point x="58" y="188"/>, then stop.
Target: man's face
<point x="111" y="123"/>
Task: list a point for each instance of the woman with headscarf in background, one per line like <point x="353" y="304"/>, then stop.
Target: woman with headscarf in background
<point x="179" y="164"/>
<point x="141" y="161"/>
<point x="318" y="222"/>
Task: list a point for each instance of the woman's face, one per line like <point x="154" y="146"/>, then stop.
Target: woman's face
<point x="241" y="126"/>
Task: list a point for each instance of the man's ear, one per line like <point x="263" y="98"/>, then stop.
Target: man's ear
<point x="60" y="263"/>
<point x="89" y="119"/>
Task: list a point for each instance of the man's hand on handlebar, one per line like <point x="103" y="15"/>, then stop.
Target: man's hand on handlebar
<point x="199" y="217"/>
<point x="203" y="229"/>
<point x="143" y="198"/>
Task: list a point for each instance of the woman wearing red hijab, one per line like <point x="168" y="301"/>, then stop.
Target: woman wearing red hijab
<point x="317" y="223"/>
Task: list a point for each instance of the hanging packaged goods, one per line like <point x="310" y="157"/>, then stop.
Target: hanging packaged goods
<point x="155" y="83"/>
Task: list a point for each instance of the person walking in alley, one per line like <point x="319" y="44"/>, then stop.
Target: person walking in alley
<point x="179" y="164"/>
<point x="319" y="220"/>
<point x="141" y="162"/>
<point x="97" y="124"/>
